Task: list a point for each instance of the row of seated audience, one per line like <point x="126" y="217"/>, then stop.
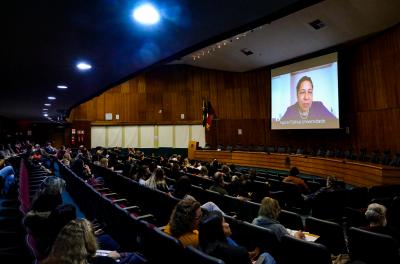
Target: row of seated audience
<point x="220" y="175"/>
<point x="59" y="236"/>
<point x="206" y="222"/>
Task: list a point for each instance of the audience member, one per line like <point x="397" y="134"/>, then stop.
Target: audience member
<point x="214" y="240"/>
<point x="47" y="198"/>
<point x="182" y="188"/>
<point x="183" y="223"/>
<point x="203" y="172"/>
<point x="219" y="184"/>
<point x="7" y="178"/>
<point x="81" y="169"/>
<point x="75" y="244"/>
<point x="157" y="181"/>
<point x="376" y="217"/>
<point x="293" y="178"/>
<point x="267" y="218"/>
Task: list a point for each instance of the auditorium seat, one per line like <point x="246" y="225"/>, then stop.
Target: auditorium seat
<point x="291" y="220"/>
<point x="158" y="247"/>
<point x="300" y="251"/>
<point x="386" y="158"/>
<point x="331" y="234"/>
<point x="353" y="217"/>
<point x="300" y="151"/>
<point x="195" y="256"/>
<point x="270" y="149"/>
<point x="357" y="197"/>
<point x="252" y="236"/>
<point x="372" y="248"/>
<point x="329" y="205"/>
<point x="375" y="157"/>
<point x="281" y="149"/>
<point x="395" y="160"/>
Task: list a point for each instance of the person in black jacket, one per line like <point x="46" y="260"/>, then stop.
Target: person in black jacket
<point x="214" y="240"/>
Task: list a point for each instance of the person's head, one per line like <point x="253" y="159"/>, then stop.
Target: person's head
<point x="213" y="230"/>
<point x="225" y="169"/>
<point x="2" y="162"/>
<point x="269" y="208"/>
<point x="152" y="167"/>
<point x="203" y="170"/>
<point x="59" y="217"/>
<point x="131" y="156"/>
<point x="141" y="173"/>
<point x="294" y="171"/>
<point x="52" y="185"/>
<point x="159" y="174"/>
<point x="104" y="162"/>
<point x="67" y="156"/>
<point x="185" y="217"/>
<point x="252" y="174"/>
<point x="304" y="89"/>
<point x="376" y="214"/>
<point x="219" y="178"/>
<point x="331" y="182"/>
<point x="175" y="167"/>
<point x="74" y="244"/>
<point x="182" y="187"/>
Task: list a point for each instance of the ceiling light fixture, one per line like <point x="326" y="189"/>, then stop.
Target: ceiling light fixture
<point x="146" y="14"/>
<point x="220" y="45"/>
<point x="47" y="104"/>
<point x="83" y="66"/>
<point x="51" y="98"/>
<point x="62" y="87"/>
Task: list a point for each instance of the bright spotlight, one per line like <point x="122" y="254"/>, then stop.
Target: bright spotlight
<point x="146" y="14"/>
<point x="51" y="98"/>
<point x="83" y="66"/>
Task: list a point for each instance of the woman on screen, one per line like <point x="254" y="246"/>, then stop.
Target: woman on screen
<point x="305" y="108"/>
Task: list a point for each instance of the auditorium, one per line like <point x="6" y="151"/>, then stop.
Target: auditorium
<point x="132" y="131"/>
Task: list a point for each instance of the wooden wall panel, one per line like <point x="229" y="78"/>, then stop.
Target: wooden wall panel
<point x="369" y="94"/>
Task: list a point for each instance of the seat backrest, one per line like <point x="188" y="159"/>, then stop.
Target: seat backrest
<point x="354" y="217"/>
<point x="331" y="234"/>
<point x="291" y="220"/>
<point x="372" y="248"/>
<point x="301" y="251"/>
<point x="159" y="247"/>
<point x="195" y="256"/>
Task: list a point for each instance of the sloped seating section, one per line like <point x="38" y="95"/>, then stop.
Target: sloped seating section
<point x="124" y="206"/>
<point x="13" y="244"/>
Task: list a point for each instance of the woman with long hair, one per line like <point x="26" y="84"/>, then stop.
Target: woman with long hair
<point x="75" y="244"/>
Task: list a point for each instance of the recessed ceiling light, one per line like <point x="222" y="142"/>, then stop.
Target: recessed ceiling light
<point x="45" y="115"/>
<point x="146" y="14"/>
<point x="51" y="98"/>
<point x="45" y="109"/>
<point x="62" y="87"/>
<point x="83" y="66"/>
<point x="47" y="104"/>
